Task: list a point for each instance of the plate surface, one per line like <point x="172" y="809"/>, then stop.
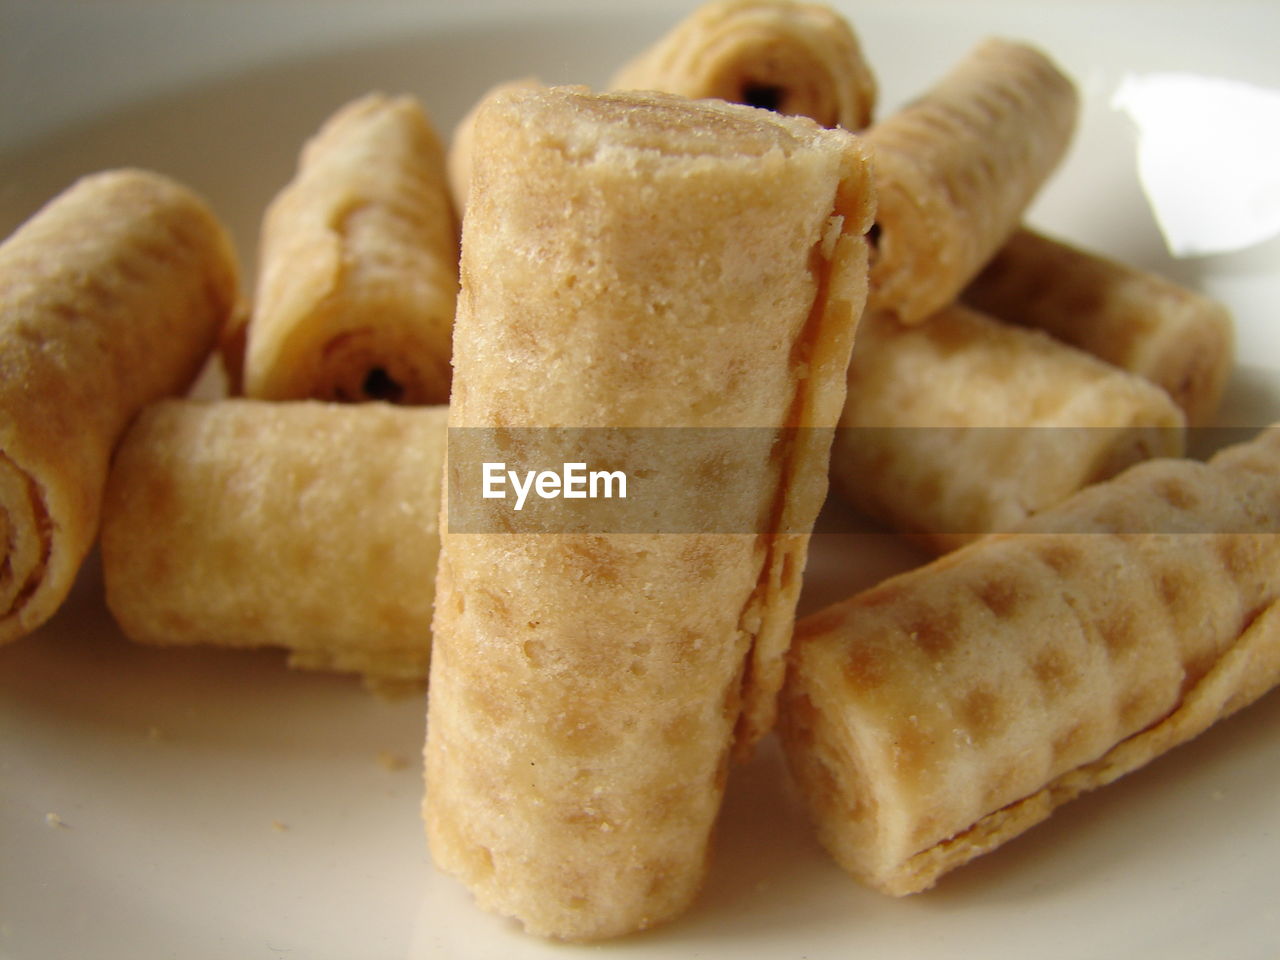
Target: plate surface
<point x="206" y="804"/>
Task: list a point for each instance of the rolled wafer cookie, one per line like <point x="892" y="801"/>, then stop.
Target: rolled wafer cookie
<point x="631" y="262"/>
<point x="111" y="296"/>
<point x="458" y="156"/>
<point x="939" y="714"/>
<point x="304" y="525"/>
<point x="1178" y="339"/>
<point x="963" y="425"/>
<point x="800" y="59"/>
<point x="956" y="169"/>
<point x="358" y="265"/>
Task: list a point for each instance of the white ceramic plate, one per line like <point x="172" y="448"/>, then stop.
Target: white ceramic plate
<point x="205" y="804"/>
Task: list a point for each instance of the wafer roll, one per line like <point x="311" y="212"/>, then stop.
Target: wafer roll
<point x="799" y="59"/>
<point x="304" y="525"/>
<point x="358" y="265"/>
<point x="937" y="715"/>
<point x="110" y="297"/>
<point x="647" y="262"/>
<point x="956" y="169"/>
<point x="963" y="425"/>
<point x="458" y="157"/>
<point x="1174" y="337"/>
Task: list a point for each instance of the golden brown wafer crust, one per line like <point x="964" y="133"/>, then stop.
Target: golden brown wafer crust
<point x="956" y="169"/>
<point x="937" y="715"/>
<point x="110" y="297"/>
<point x="358" y="265"/>
<point x="799" y="59"/>
<point x="1178" y="339"/>
<point x="303" y="525"/>
<point x="458" y="156"/>
<point x="650" y="262"/>
<point x="962" y="425"/>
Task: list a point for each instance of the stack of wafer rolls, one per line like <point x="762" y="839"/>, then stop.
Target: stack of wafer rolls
<point x="963" y="425"/>
<point x="111" y="296"/>
<point x="358" y="266"/>
<point x="304" y="525"/>
<point x="1172" y="336"/>
<point x="956" y="169"/>
<point x="944" y="711"/>
<point x="799" y="59"/>
<point x="585" y="687"/>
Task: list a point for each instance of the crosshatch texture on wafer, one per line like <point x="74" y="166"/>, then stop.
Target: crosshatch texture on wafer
<point x="1173" y="336"/>
<point x="962" y="425"/>
<point x="302" y="525"/>
<point x="944" y="711"/>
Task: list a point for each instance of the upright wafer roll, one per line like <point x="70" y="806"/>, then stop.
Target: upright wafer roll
<point x="458" y="156"/>
<point x="800" y="59"/>
<point x="304" y="525"/>
<point x="638" y="262"/>
<point x="1174" y="337"/>
<point x="956" y="169"/>
<point x="358" y="265"/>
<point x="962" y="425"/>
<point x="937" y="715"/>
<point x="110" y="297"/>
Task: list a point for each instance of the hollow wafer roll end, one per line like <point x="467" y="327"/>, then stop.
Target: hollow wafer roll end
<point x="798" y="59"/>
<point x="111" y="296"/>
<point x="956" y="169"/>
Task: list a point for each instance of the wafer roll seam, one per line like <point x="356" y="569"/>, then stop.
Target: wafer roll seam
<point x="1247" y="670"/>
<point x="935" y="716"/>
<point x="630" y="261"/>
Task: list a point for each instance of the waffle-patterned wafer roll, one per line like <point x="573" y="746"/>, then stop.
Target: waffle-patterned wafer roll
<point x="358" y="267"/>
<point x="937" y="715"/>
<point x="304" y="525"/>
<point x="110" y="297"/>
<point x="799" y="59"/>
<point x="963" y="425"/>
<point x="956" y="169"/>
<point x="1174" y="337"/>
<point x="622" y="268"/>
